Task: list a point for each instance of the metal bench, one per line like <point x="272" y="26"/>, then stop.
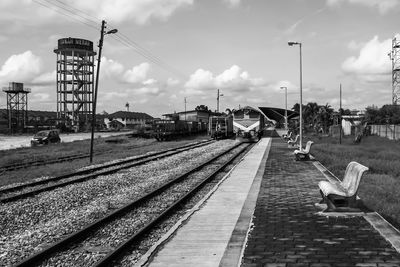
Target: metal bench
<point x="344" y="193"/>
<point x="287" y="136"/>
<point x="303" y="154"/>
<point x="293" y="143"/>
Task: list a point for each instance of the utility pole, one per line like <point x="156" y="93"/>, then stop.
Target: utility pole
<point x="185" y="108"/>
<point x="218" y="95"/>
<point x="102" y="33"/>
<point x="340" y="116"/>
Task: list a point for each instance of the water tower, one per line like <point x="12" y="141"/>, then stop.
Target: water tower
<point x="17" y="106"/>
<point x="395" y="56"/>
<point x="75" y="82"/>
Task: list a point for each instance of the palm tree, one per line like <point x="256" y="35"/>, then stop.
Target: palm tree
<point x="310" y="112"/>
<point x="325" y="117"/>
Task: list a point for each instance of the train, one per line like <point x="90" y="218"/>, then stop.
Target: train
<point x="165" y="130"/>
<point x="220" y="127"/>
<point x="248" y="124"/>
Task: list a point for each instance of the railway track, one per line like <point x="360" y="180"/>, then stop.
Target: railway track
<point x="115" y="233"/>
<point x="30" y="189"/>
<point x="42" y="162"/>
<point x="23" y="165"/>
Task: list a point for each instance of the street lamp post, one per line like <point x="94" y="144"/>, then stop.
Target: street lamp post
<point x="102" y="33"/>
<point x="218" y="95"/>
<point x="301" y="94"/>
<point x="286" y="120"/>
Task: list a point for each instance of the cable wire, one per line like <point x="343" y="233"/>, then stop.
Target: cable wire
<point x="92" y="22"/>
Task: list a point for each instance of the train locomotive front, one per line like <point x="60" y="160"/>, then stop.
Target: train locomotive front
<point x="248" y="124"/>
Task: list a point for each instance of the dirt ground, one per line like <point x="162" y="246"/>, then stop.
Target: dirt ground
<point x="16" y="141"/>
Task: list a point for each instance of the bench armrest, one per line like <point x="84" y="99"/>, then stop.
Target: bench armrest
<point x="336" y="188"/>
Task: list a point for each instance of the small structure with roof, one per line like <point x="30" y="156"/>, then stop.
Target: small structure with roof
<point x="127" y="119"/>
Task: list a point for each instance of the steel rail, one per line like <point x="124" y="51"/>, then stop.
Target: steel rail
<point x="16" y="166"/>
<point x="41" y="162"/>
<point x="113" y="255"/>
<point x="84" y="232"/>
<point x="88" y="173"/>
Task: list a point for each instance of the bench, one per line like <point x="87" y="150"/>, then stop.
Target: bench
<point x="293" y="143"/>
<point x="287" y="136"/>
<point x="344" y="193"/>
<point x="301" y="154"/>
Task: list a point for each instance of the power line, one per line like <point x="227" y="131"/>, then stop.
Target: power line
<point x="65" y="14"/>
<point x="73" y="11"/>
<point x="90" y="21"/>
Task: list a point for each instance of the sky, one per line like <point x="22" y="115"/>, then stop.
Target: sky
<point x="167" y="51"/>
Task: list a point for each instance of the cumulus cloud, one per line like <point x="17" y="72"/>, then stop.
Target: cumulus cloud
<point x="233" y="79"/>
<point x="200" y="80"/>
<point x="383" y="5"/>
<point x="172" y="82"/>
<point x="110" y="68"/>
<point x="372" y="62"/>
<point x="21" y="68"/>
<point x="137" y="74"/>
<point x="45" y="78"/>
<point x="232" y="3"/>
<point x="140" y="11"/>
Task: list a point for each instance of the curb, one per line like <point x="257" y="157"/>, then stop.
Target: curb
<point x="385" y="229"/>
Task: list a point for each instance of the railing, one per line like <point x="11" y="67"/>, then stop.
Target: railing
<point x="390" y="131"/>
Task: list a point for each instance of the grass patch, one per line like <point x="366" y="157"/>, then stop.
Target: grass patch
<point x="379" y="188"/>
<point x="104" y="151"/>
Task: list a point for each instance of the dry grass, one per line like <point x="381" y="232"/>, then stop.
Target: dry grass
<point x="380" y="186"/>
<point x="104" y="151"/>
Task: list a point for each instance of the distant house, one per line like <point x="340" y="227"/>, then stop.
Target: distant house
<point x="192" y="115"/>
<point x="127" y="119"/>
<point x="36" y="120"/>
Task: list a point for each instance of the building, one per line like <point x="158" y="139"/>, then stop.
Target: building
<point x="192" y="115"/>
<point x="127" y="119"/>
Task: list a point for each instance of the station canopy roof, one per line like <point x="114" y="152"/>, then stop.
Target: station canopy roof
<point x="278" y="114"/>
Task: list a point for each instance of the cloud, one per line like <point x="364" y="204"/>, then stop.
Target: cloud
<point x="290" y="30"/>
<point x="45" y="78"/>
<point x="232" y="79"/>
<point x="21" y="68"/>
<point x="200" y="80"/>
<point x="172" y="82"/>
<point x="372" y="62"/>
<point x="137" y="74"/>
<point x="353" y="45"/>
<point x="110" y="68"/>
<point x="232" y="3"/>
<point x="383" y="5"/>
<point x="140" y="11"/>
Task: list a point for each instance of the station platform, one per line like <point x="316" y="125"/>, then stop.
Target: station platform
<point x="264" y="213"/>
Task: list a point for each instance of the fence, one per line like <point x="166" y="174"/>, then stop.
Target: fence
<point x="389" y="131"/>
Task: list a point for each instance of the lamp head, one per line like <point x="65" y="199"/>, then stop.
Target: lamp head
<point x="283" y="87"/>
<point x="112" y="31"/>
<point x="293" y="43"/>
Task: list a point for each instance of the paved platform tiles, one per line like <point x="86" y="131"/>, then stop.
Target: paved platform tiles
<point x="288" y="231"/>
<point x="202" y="239"/>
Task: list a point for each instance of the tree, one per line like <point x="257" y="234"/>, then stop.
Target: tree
<point x="325" y="116"/>
<point x="202" y="108"/>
